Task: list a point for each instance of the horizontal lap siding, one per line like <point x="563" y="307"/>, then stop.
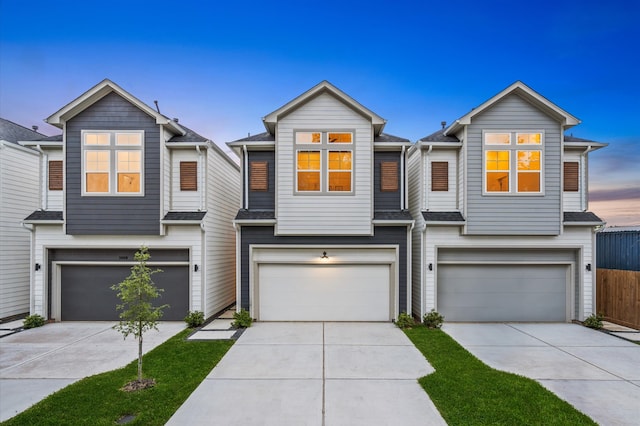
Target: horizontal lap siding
<point x="325" y="214"/>
<point x="572" y="200"/>
<point x="112" y="215"/>
<point x="264" y="200"/>
<point x="383" y="235"/>
<point x="442" y="200"/>
<point x="223" y="202"/>
<point x="185" y="200"/>
<point x="18" y="198"/>
<point x="415" y="182"/>
<point x="54" y="200"/>
<point x="385" y="200"/>
<point x="514" y="214"/>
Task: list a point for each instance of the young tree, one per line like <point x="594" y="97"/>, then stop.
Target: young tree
<point x="137" y="293"/>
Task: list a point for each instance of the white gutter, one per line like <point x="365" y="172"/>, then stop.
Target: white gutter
<point x="44" y="195"/>
<point x="201" y="187"/>
<point x="245" y="177"/>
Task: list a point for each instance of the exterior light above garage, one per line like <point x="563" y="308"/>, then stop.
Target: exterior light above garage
<point x="324" y="256"/>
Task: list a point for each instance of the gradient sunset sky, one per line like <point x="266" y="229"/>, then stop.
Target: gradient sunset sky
<point x="221" y="66"/>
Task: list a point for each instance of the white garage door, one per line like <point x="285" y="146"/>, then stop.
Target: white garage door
<point x="503" y="292"/>
<point x="324" y="292"/>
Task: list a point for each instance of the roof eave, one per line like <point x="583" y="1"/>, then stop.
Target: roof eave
<point x="181" y="222"/>
<point x="254" y="222"/>
<point x="592" y="223"/>
<point x="43" y="222"/>
<point x="444" y="223"/>
<point x="56" y="144"/>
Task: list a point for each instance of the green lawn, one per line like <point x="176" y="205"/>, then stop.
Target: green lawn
<point x="178" y="366"/>
<point x="468" y="392"/>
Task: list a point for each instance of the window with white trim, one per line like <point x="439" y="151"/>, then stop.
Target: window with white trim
<point x="513" y="162"/>
<point x="112" y="162"/>
<point x="324" y="162"/>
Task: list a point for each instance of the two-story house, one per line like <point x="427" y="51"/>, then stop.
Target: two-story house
<point x="18" y="197"/>
<point x="122" y="175"/>
<point x="323" y="232"/>
<point x="502" y="229"/>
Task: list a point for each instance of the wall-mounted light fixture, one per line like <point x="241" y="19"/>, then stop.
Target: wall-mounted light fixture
<point x="431" y="266"/>
<point x="588" y="266"/>
<point x="37" y="267"/>
<point x="324" y="256"/>
<point x="195" y="268"/>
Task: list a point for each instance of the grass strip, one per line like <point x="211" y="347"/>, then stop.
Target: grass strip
<point x="178" y="365"/>
<point x="468" y="392"/>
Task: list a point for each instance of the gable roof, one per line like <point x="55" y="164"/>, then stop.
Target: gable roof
<point x="271" y="119"/>
<point x="12" y="132"/>
<point x="99" y="91"/>
<point x="525" y="92"/>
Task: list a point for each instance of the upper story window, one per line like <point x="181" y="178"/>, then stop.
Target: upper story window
<point x="513" y="162"/>
<point x="55" y="175"/>
<point x="324" y="162"/>
<point x="112" y="162"/>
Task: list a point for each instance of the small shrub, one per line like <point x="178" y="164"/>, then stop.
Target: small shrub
<point x="241" y="319"/>
<point x="405" y="320"/>
<point x="433" y="319"/>
<point x="194" y="319"/>
<point x="594" y="321"/>
<point x="33" y="321"/>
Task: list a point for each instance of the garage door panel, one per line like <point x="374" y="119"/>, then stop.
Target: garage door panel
<point x="324" y="292"/>
<point x="503" y="292"/>
<point x="86" y="295"/>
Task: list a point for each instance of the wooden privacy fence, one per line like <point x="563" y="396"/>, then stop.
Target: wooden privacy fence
<point x="618" y="296"/>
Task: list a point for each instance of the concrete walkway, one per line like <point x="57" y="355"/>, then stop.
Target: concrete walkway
<point x="597" y="373"/>
<point x="38" y="362"/>
<point x="315" y="374"/>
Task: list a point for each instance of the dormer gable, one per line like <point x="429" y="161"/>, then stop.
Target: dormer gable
<point x="98" y="92"/>
<point x="270" y="120"/>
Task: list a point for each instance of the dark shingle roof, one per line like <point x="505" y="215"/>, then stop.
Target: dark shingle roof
<point x="260" y="137"/>
<point x="443" y="216"/>
<point x="384" y="137"/>
<point x="439" y="137"/>
<point x="571" y="138"/>
<point x="392" y="215"/>
<point x="190" y="136"/>
<point x="184" y="216"/>
<point x="581" y="217"/>
<point x="12" y="132"/>
<point x="244" y="214"/>
<point x="44" y="215"/>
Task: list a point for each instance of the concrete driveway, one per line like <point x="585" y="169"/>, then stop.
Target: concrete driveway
<point x="596" y="373"/>
<point x="37" y="362"/>
<point x="315" y="374"/>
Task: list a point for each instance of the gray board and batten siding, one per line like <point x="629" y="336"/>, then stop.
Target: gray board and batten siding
<point x="384" y="235"/>
<point x="112" y="215"/>
<point x="502" y="214"/>
<point x="618" y="250"/>
<point x="385" y="200"/>
<point x="263" y="200"/>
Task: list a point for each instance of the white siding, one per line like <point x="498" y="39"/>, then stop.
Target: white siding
<point x="166" y="181"/>
<point x="19" y="192"/>
<point x="223" y="201"/>
<point x="54" y="199"/>
<point x="324" y="214"/>
<point x="573" y="201"/>
<point x="416" y="179"/>
<point x="579" y="238"/>
<point x="443" y="201"/>
<point x="185" y="200"/>
<point x="51" y="236"/>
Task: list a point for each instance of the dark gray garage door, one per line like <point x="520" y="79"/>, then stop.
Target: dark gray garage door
<point x="503" y="292"/>
<point x="86" y="293"/>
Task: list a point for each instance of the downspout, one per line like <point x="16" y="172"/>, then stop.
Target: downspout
<point x="245" y="175"/>
<point x="583" y="177"/>
<point x="200" y="178"/>
<point x="402" y="184"/>
<point x="44" y="196"/>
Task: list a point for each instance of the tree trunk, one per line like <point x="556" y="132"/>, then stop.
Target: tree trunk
<point x="140" y="356"/>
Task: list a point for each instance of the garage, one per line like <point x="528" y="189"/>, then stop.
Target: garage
<point x="324" y="293"/>
<point x="86" y="295"/>
<point x="492" y="285"/>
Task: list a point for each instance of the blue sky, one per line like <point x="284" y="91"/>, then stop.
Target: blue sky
<point x="221" y="67"/>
